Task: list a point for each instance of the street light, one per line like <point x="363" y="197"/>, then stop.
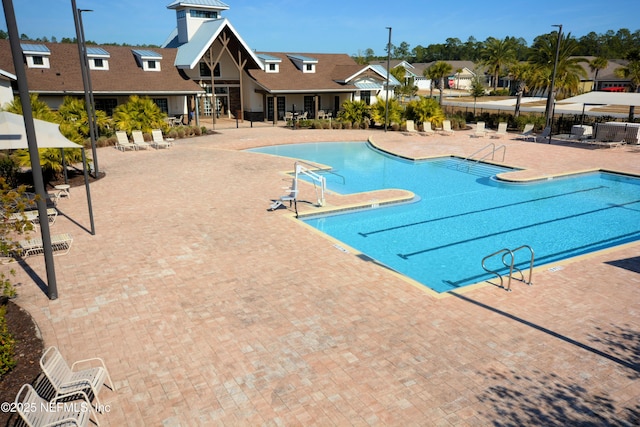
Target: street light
<point x="551" y="95"/>
<point x="386" y="108"/>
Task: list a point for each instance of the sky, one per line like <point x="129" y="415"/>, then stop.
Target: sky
<point x="331" y="26"/>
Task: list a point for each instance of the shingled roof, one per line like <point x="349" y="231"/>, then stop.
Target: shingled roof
<point x="330" y="70"/>
<point x="125" y="76"/>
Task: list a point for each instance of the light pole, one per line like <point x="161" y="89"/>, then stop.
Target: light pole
<point x="551" y="95"/>
<point x="386" y="108"/>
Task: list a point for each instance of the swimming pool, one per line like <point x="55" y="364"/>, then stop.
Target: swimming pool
<point x="463" y="213"/>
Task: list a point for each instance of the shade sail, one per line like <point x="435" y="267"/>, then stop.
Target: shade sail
<point x="14" y="136"/>
<point x="605" y="98"/>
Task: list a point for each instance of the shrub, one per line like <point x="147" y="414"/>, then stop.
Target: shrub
<point x="346" y="125"/>
<point x="203" y="130"/>
<point x="197" y="131"/>
<point x="7" y="345"/>
<point x="180" y="132"/>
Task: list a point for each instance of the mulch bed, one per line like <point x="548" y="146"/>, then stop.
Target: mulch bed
<point x="28" y="349"/>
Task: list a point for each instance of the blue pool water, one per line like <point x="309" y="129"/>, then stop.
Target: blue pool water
<point x="463" y="214"/>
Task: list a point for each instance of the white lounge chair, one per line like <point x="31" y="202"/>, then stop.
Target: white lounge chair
<point x="33" y="217"/>
<point x="480" y="130"/>
<point x="427" y="129"/>
<point x="502" y="130"/>
<point x="446" y="128"/>
<point x="546" y="132"/>
<point x="122" y="142"/>
<point x="67" y="380"/>
<point x="138" y="140"/>
<point x="527" y="133"/>
<point x="292" y="196"/>
<point x="158" y="140"/>
<point x="411" y="129"/>
<point x="60" y="244"/>
<point x="36" y="411"/>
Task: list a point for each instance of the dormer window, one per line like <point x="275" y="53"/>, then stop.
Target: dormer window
<point x="98" y="58"/>
<point x="304" y="63"/>
<point x="206" y="14"/>
<point x="148" y="59"/>
<point x="272" y="63"/>
<point x="36" y="55"/>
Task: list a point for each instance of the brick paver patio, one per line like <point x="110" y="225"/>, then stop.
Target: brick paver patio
<point x="210" y="310"/>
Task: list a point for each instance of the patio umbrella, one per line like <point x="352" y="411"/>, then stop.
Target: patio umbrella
<point x="13" y="136"/>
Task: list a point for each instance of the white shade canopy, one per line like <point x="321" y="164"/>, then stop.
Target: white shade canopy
<point x="605" y="98"/>
<point x="13" y="135"/>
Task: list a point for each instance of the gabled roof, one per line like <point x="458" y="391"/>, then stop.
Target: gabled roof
<point x="189" y="54"/>
<point x="331" y="72"/>
<point x="377" y="69"/>
<point x="123" y="77"/>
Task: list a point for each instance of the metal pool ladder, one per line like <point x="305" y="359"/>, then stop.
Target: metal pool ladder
<point x="511" y="265"/>
<point x="471" y="160"/>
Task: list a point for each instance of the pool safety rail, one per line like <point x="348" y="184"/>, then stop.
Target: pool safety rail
<point x="488" y="150"/>
<point x="511" y="265"/>
<point x="318" y="180"/>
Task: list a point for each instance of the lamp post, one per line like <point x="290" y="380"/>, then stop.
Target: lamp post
<point x="551" y="95"/>
<point x="386" y="108"/>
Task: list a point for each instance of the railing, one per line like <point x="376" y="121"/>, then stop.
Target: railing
<point x="322" y="169"/>
<point x="317" y="179"/>
<point x="510" y="265"/>
<point x="470" y="160"/>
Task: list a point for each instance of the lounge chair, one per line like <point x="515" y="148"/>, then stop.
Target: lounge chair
<point x="480" y="130"/>
<point x="446" y="128"/>
<point x="292" y="196"/>
<point x="36" y="411"/>
<point x="158" y="140"/>
<point x="546" y="132"/>
<point x="67" y="380"/>
<point x="411" y="129"/>
<point x="502" y="130"/>
<point x="33" y="217"/>
<point x="321" y="114"/>
<point x="60" y="244"/>
<point x="527" y="133"/>
<point x="122" y="142"/>
<point x="138" y="140"/>
<point x="427" y="129"/>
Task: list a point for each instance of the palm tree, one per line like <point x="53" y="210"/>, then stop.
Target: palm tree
<point x="424" y="110"/>
<point x="599" y="63"/>
<point x="632" y="72"/>
<point x="520" y="74"/>
<point x="496" y="55"/>
<point x="138" y="114"/>
<point x="569" y="72"/>
<point x="354" y="112"/>
<point x="458" y="72"/>
<point x="439" y="71"/>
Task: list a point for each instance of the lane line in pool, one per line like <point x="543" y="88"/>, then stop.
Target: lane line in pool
<point x="524" y="227"/>
<point x="398" y="227"/>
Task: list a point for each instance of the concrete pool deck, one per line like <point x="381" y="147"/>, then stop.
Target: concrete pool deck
<point x="210" y="310"/>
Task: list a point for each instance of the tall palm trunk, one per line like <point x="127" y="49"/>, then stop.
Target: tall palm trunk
<point x="521" y="87"/>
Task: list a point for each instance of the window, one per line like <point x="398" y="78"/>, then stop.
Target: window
<point x="151" y="65"/>
<point x="162" y="103"/>
<point x="106" y="105"/>
<point x="272" y="67"/>
<point x="309" y="104"/>
<point x="365" y="96"/>
<point x="309" y="67"/>
<point x="205" y="72"/>
<point x="207" y="14"/>
<point x="38" y="60"/>
<point x="98" y="63"/>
